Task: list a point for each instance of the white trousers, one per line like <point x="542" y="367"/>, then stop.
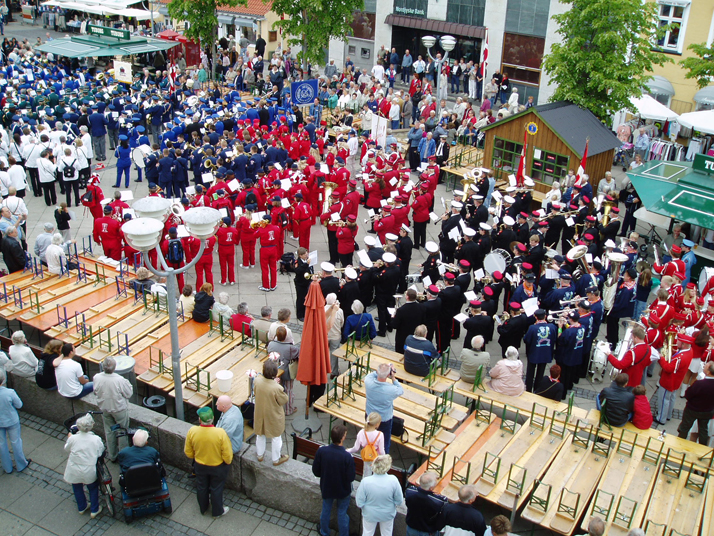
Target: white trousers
<point x="385" y="527"/>
<point x="472" y="89"/>
<point x="276" y="446"/>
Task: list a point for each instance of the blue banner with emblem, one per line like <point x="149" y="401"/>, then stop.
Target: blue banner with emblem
<point x="304" y="93"/>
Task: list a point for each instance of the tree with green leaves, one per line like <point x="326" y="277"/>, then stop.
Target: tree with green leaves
<point x="606" y="53"/>
<point x="702" y="67"/>
<point x="202" y="20"/>
<point x="312" y="23"/>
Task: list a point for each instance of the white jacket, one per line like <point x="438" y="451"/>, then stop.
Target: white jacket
<point x="84" y="450"/>
<point x="87" y="144"/>
<point x="31" y="153"/>
<point x="47" y="170"/>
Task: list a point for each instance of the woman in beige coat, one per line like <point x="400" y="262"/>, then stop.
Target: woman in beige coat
<point x="269" y="417"/>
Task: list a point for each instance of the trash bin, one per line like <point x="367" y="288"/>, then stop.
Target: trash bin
<point x="156" y="402"/>
<point x="125" y="367"/>
<point x="224" y="379"/>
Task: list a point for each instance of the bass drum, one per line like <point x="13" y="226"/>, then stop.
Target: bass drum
<point x="704" y="276"/>
<point x="598" y="361"/>
<point x="496" y="261"/>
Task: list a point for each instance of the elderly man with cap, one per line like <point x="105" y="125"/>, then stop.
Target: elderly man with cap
<point x="540" y="344"/>
<point x="387" y="281"/>
<point x="512" y="331"/>
<point x="688" y="258"/>
<point x="449" y="226"/>
<point x="672" y="377"/>
<point x="107" y="232"/>
<point x="231" y="420"/>
<point x="212" y="452"/>
<point x="43" y="240"/>
<point x="113" y="392"/>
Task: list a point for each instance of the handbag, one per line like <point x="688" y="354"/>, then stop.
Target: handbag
<point x="293" y="368"/>
<point x="398" y="429"/>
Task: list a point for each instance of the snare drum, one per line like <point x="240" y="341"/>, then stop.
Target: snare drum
<point x="496" y="261"/>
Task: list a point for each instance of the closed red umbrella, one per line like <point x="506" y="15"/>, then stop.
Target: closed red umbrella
<point x="314" y="364"/>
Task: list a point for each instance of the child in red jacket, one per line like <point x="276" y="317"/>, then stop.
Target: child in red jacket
<point x="641" y="412"/>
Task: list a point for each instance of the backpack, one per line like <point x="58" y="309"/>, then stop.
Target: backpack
<point x="175" y="251"/>
<point x="251" y="198"/>
<point x="69" y="171"/>
<point x="88" y="198"/>
<point x="369" y="451"/>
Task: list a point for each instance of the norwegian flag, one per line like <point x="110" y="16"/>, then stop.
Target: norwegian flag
<point x="484" y="55"/>
<point x="521" y="174"/>
<point x="581" y="167"/>
<point x="173" y="72"/>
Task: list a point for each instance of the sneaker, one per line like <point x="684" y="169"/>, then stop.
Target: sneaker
<point x="223" y="283"/>
<point x="225" y="511"/>
<point x="252" y="265"/>
<point x="95" y="514"/>
<point x="263" y="288"/>
<point x="233" y="283"/>
<point x="86" y="509"/>
<point x="245" y="267"/>
<point x="273" y="289"/>
<point x="260" y="458"/>
<point x="282" y="460"/>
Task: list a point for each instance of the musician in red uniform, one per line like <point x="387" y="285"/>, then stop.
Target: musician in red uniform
<point x="352" y="199"/>
<point x="248" y="237"/>
<point x="327" y="219"/>
<point x="635" y="360"/>
<point x="223" y="201"/>
<point x="228" y="238"/>
<point x="269" y="236"/>
<point x="674" y="266"/>
<point x="118" y="206"/>
<point x="346" y="236"/>
<point x="673" y="371"/>
<point x="279" y="215"/>
<point x="421" y="207"/>
<point x="302" y="216"/>
<point x="385" y="224"/>
<point x="400" y="212"/>
<point x="93" y="196"/>
<point x="200" y="199"/>
<point x="174" y="254"/>
<point x="107" y="232"/>
<point x="204" y="266"/>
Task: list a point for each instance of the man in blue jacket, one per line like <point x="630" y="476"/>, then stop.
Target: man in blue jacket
<point x="336" y="469"/>
<point x="165" y="173"/>
<point x="540" y="343"/>
<point x="419" y="352"/>
<point x="98" y="131"/>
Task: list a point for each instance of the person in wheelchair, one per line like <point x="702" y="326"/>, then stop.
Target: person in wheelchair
<point x="139" y="454"/>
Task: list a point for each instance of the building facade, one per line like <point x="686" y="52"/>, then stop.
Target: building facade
<point x="691" y="22"/>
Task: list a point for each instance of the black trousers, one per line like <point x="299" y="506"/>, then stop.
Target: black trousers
<point x="613" y="330"/>
<point x="534" y="373"/>
<point x="444" y="338"/>
<point x="345" y="259"/>
<point x="569" y="373"/>
<point x="69" y="186"/>
<point x="404" y="272"/>
<point x="209" y="487"/>
<point x="301" y="294"/>
<point x="35" y="180"/>
<point x="431" y="330"/>
<point x="50" y="194"/>
<point x="384" y="317"/>
<point x="420" y="233"/>
<point x="332" y="246"/>
<point x="414" y="159"/>
<point x="702" y="418"/>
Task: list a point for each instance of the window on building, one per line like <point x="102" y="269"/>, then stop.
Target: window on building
<point x="506" y="155"/>
<point x="466" y="11"/>
<point x="363" y="25"/>
<point x="672" y="15"/>
<point x="272" y="36"/>
<point x="548" y="167"/>
<point x="528" y="17"/>
<point x="522" y="58"/>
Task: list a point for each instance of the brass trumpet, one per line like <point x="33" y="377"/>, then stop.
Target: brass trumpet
<point x="335" y="271"/>
<point x="258" y="224"/>
<point x="450" y="267"/>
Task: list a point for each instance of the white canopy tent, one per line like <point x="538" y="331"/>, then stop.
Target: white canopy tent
<point x="106" y="7"/>
<point x="701" y="121"/>
<point x="649" y="108"/>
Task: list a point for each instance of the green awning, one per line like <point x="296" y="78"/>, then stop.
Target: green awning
<point x="677" y="190"/>
<point x="95" y="47"/>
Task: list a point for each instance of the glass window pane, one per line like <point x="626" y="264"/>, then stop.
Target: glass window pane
<point x="673" y="36"/>
<point x="664" y="11"/>
<point x="678" y="12"/>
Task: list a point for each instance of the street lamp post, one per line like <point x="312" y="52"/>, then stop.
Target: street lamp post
<point x="144" y="234"/>
<point x="448" y="43"/>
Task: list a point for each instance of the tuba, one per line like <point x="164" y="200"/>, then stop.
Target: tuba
<point x="610" y="288"/>
<point x="577" y="254"/>
<point x="329" y="188"/>
<point x="668" y="348"/>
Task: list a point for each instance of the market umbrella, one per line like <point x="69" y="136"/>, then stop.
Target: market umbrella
<point x="314" y="363"/>
<point x="702" y="121"/>
<point x="649" y="108"/>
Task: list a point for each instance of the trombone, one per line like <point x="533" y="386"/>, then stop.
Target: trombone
<point x="308" y="275"/>
<point x="450" y="267"/>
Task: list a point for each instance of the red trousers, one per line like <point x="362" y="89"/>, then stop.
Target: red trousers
<point x="179" y="277"/>
<point x="281" y="243"/>
<point x="204" y="266"/>
<point x="228" y="264"/>
<point x="304" y="236"/>
<point x="248" y="252"/>
<point x="112" y="250"/>
<point x="269" y="266"/>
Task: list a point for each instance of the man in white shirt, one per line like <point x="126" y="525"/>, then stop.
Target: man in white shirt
<point x="335" y="321"/>
<point x="378" y="72"/>
<point x="56" y="256"/>
<point x="71" y="381"/>
<point x="46" y="168"/>
<point x="113" y="392"/>
<point x="43" y="240"/>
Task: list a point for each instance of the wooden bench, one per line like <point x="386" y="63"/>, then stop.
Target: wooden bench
<point x="304" y="446"/>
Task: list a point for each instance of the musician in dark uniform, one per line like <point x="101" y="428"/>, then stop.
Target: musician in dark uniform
<point x="406" y="319"/>
<point x="463" y="278"/>
<point x="451" y="300"/>
<point x="430" y="267"/>
<point x="540" y="345"/>
<point x="467" y="250"/>
<point x="302" y="267"/>
<point x="387" y="281"/>
<point x="512" y="331"/>
<point x="489" y="304"/>
<point x="522" y="229"/>
<point x="503" y="238"/>
<point x="479" y="323"/>
<point x="569" y="231"/>
<point x="365" y="280"/>
<point x="551" y="300"/>
<point x="556" y="224"/>
<point x="450" y="221"/>
<point x="569" y="348"/>
<point x="329" y="284"/>
<point x="483" y="241"/>
<point x="623" y="306"/>
<point x="609" y="231"/>
<point x="480" y="213"/>
<point x="432" y="311"/>
<point x="349" y="291"/>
